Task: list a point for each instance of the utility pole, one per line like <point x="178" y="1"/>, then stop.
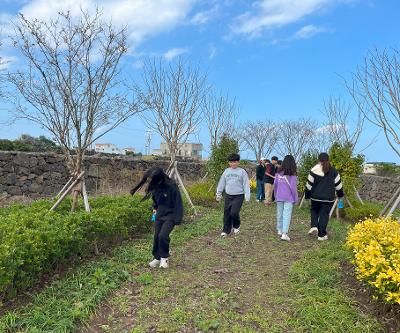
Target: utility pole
<point x="148" y="142"/>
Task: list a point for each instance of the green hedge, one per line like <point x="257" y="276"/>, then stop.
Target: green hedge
<point x="201" y="196"/>
<point x="33" y="241"/>
<point x="368" y="210"/>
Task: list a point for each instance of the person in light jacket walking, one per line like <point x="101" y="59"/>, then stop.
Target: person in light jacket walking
<point x="286" y="195"/>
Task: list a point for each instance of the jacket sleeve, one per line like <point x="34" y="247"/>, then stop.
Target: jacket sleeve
<point x="178" y="205"/>
<point x="293" y="186"/>
<point x="338" y="186"/>
<point x="309" y="186"/>
<point x="155" y="206"/>
<point x="221" y="185"/>
<point x="246" y="186"/>
<point x="276" y="186"/>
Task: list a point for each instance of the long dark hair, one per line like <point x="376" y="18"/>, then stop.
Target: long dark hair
<point x="288" y="166"/>
<point x="323" y="158"/>
<point x="157" y="179"/>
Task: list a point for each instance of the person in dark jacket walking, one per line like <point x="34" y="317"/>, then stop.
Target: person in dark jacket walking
<point x="322" y="183"/>
<point x="260" y="175"/>
<point x="269" y="180"/>
<point x="167" y="208"/>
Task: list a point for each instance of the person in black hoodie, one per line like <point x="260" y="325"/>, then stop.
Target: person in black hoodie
<point x="260" y="175"/>
<point x="322" y="183"/>
<point x="168" y="210"/>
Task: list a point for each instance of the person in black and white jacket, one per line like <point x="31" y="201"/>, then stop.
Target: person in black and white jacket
<point x="322" y="183"/>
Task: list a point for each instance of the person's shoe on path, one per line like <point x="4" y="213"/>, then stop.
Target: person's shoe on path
<point x="236" y="231"/>
<point x="279" y="232"/>
<point x="164" y="263"/>
<point x="154" y="263"/>
<point x="285" y="237"/>
<point x="224" y="234"/>
<point x="323" y="238"/>
<point x="312" y="231"/>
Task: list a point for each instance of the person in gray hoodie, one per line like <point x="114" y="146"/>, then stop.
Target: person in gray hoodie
<point x="235" y="182"/>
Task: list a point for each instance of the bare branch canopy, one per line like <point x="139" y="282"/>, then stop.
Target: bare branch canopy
<point x="174" y="97"/>
<point x="375" y="89"/>
<point x="70" y="82"/>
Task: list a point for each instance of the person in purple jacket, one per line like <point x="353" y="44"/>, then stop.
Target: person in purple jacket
<point x="285" y="190"/>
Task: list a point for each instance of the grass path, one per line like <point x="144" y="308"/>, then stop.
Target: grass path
<point x="253" y="282"/>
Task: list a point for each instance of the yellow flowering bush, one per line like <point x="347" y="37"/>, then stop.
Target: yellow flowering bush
<point x="376" y="247"/>
<point x="253" y="184"/>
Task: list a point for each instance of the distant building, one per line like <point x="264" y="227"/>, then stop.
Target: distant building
<point x="127" y="151"/>
<point x="185" y="150"/>
<point x="370" y="168"/>
<point x="110" y="148"/>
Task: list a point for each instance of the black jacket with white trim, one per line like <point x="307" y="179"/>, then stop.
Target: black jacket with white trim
<point x="322" y="186"/>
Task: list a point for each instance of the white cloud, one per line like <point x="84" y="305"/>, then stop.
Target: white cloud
<point x="329" y="128"/>
<point x="6" y="62"/>
<point x="213" y="51"/>
<point x="143" y="18"/>
<point x="175" y="52"/>
<point x="138" y="64"/>
<point x="270" y="14"/>
<point x="308" y="31"/>
<point x="204" y="17"/>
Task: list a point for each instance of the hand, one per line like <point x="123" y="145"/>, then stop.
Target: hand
<point x="218" y="199"/>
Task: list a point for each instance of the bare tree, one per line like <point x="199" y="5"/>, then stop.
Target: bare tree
<point x="295" y="137"/>
<point x="174" y="96"/>
<point x="339" y="124"/>
<point x="259" y="136"/>
<point x="376" y="91"/>
<point x="220" y="113"/>
<point x="70" y="85"/>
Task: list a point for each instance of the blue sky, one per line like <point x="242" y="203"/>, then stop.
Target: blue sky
<point x="279" y="59"/>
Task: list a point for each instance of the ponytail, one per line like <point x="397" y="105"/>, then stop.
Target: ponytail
<point x="323" y="158"/>
<point x="326" y="166"/>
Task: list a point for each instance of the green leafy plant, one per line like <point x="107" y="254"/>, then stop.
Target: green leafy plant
<point x="349" y="167"/>
<point x="307" y="161"/>
<point x="218" y="161"/>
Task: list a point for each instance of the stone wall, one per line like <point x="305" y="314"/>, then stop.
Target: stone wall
<point x="37" y="175"/>
<point x="378" y="189"/>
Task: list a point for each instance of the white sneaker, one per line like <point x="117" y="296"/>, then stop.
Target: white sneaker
<point x="224" y="234"/>
<point x="279" y="232"/>
<point x="285" y="237"/>
<point x="154" y="263"/>
<point x="236" y="231"/>
<point x="164" y="263"/>
<point x="323" y="238"/>
<point x="312" y="231"/>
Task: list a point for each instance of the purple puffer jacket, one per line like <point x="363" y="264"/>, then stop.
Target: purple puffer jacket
<point x="285" y="188"/>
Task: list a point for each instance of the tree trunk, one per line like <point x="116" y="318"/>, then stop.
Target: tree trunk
<point x="75" y="195"/>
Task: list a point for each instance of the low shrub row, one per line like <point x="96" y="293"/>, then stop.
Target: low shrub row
<point x="376" y="247"/>
<point x="203" y="194"/>
<point x="34" y="241"/>
<point x="360" y="212"/>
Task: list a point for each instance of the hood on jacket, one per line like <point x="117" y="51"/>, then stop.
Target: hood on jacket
<point x="317" y="169"/>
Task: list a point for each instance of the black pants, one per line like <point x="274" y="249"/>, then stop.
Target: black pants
<point x="320" y="216"/>
<point x="232" y="206"/>
<point x="162" y="229"/>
